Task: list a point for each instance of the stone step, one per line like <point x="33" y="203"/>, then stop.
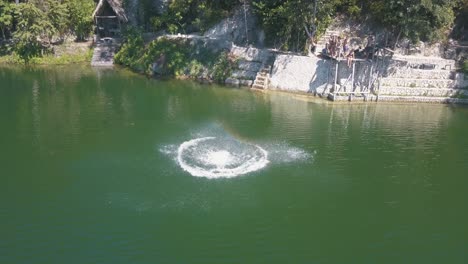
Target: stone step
<point x="425" y="83"/>
<point x="103" y="55"/>
<point x="439" y="63"/>
<point x="255" y="86"/>
<point x="423" y="74"/>
<point x="421" y="91"/>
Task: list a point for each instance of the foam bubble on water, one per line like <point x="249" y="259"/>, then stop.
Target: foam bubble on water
<point x="213" y="157"/>
<point x="168" y="149"/>
<point x="283" y="153"/>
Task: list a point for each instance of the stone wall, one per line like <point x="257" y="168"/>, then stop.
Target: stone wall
<point x="461" y="80"/>
<point x="241" y="28"/>
<point x="299" y="73"/>
<point x="250" y="62"/>
<point x="312" y="74"/>
<point x="433" y="92"/>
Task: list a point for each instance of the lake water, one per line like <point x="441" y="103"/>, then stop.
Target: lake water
<point x="110" y="167"/>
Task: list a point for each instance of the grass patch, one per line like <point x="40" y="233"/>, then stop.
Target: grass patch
<point x="50" y="59"/>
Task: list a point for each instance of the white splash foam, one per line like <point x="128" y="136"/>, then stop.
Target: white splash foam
<point x="219" y="158"/>
<point x="168" y="149"/>
<point x="212" y="158"/>
<point x="284" y="153"/>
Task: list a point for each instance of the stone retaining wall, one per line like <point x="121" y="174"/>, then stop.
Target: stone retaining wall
<point x="311" y="74"/>
<point x="299" y="73"/>
<point x="404" y="83"/>
<point x="433" y="92"/>
<point x="421" y="99"/>
<point x="461" y="80"/>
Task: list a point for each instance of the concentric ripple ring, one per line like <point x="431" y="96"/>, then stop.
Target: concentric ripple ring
<point x="213" y="157"/>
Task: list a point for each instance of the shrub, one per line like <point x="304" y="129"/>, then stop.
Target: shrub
<point x="465" y="67"/>
<point x="223" y="67"/>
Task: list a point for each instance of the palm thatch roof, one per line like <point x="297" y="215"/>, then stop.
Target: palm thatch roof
<point x="116" y="6"/>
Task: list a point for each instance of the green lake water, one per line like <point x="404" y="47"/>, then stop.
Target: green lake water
<point x="105" y="166"/>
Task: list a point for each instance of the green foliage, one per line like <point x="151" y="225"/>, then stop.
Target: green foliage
<point x="58" y="15"/>
<point x="416" y="19"/>
<point x="182" y="58"/>
<point x="50" y="59"/>
<point x="284" y="21"/>
<point x="465" y="67"/>
<point x="81" y="22"/>
<point x="132" y="49"/>
<point x="6" y="17"/>
<point x="186" y="16"/>
<point x="33" y="28"/>
<point x="223" y="67"/>
<point x="426" y="20"/>
<point x="35" y="24"/>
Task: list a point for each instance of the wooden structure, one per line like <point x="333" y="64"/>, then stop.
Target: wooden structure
<point x="109" y="16"/>
<point x="360" y="79"/>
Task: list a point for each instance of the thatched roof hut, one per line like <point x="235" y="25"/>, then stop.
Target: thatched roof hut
<point x="108" y="8"/>
<point x="108" y="16"/>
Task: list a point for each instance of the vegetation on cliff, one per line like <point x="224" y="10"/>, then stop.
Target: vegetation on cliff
<point x="191" y="15"/>
<point x="426" y="20"/>
<point x="289" y="24"/>
<point x="31" y="28"/>
<point x="181" y="58"/>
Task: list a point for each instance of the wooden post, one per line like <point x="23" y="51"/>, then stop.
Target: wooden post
<point x="336" y="77"/>
<point x="370" y="76"/>
<point x="352" y="82"/>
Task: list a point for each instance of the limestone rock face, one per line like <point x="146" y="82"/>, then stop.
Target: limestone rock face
<point x="240" y="28"/>
<point x="161" y="5"/>
<point x="135" y="10"/>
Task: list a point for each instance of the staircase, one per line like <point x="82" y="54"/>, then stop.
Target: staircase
<point x="417" y="81"/>
<point x="262" y="79"/>
<point x="322" y="42"/>
<point x="103" y="55"/>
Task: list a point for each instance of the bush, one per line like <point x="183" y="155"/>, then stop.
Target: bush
<point x="465" y="67"/>
<point x="223" y="68"/>
<point x="185" y="16"/>
<point x="132" y="49"/>
<point x="182" y="58"/>
<point x="81" y="21"/>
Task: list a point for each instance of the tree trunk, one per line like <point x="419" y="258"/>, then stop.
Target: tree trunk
<point x="397" y="39"/>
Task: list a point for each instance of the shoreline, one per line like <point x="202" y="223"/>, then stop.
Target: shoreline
<point x="296" y="94"/>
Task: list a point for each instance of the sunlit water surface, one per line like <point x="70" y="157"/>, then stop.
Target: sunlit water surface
<point x="110" y="167"/>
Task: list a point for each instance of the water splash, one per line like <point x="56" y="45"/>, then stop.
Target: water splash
<point x="213" y="153"/>
<point x="213" y="157"/>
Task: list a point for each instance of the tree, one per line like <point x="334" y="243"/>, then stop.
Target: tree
<point x="6" y="17"/>
<point x="284" y="21"/>
<point x="58" y="15"/>
<point x="81" y="21"/>
<point x="416" y="19"/>
<point x="33" y="29"/>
